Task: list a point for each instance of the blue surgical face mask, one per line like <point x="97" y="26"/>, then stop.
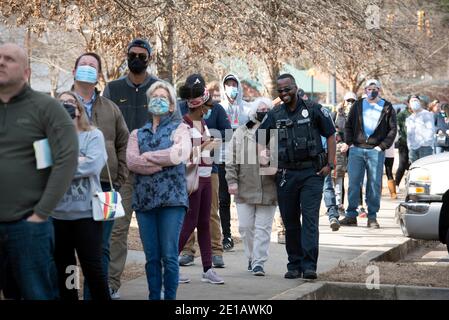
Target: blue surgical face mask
<point x="158" y="106"/>
<point x="86" y="74"/>
<point x="207" y="114"/>
<point x="231" y="92"/>
<point x="415" y="105"/>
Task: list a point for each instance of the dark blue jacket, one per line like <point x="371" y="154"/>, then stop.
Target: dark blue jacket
<point x="440" y="124"/>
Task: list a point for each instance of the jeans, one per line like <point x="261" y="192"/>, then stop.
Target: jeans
<point x="441" y="149"/>
<point x="299" y="196"/>
<point x="255" y="223"/>
<point x="83" y="236"/>
<point x="27" y="268"/>
<point x="360" y="161"/>
<point x="224" y="202"/>
<point x="339" y="183"/>
<point x="419" y="153"/>
<point x="105" y="244"/>
<point x="159" y="231"/>
<point x="329" y="197"/>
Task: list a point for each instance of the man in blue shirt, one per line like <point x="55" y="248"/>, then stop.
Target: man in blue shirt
<point x="370" y="130"/>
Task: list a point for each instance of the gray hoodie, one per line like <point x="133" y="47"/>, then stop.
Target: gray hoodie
<point x="237" y="112"/>
<point x="77" y="201"/>
<point x="239" y="109"/>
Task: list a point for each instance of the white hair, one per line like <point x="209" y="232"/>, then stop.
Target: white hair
<point x="255" y="105"/>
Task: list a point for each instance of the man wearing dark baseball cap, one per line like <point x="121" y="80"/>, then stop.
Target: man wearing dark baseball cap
<point x="129" y="93"/>
<point x="141" y="43"/>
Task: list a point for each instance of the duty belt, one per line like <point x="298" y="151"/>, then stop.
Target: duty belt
<point x="297" y="165"/>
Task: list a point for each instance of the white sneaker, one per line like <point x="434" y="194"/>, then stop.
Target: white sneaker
<point x="115" y="294"/>
<point x="212" y="277"/>
<point x="183" y="278"/>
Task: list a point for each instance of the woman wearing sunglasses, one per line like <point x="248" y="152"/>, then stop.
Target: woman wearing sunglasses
<point x="75" y="229"/>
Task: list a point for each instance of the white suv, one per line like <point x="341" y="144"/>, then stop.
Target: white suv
<point x="425" y="212"/>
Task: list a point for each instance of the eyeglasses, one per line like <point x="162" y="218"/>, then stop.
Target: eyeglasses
<point x="141" y="56"/>
<point x="288" y="89"/>
<point x="350" y="100"/>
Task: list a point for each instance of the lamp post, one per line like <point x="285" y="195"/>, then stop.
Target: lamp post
<point x="311" y="73"/>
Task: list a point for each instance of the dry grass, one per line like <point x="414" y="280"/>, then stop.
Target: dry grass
<point x="398" y="273"/>
<point x="133" y="271"/>
<point x="134" y="242"/>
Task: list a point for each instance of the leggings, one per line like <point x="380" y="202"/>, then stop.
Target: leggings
<point x="198" y="216"/>
<point x="389" y="168"/>
<point x="403" y="163"/>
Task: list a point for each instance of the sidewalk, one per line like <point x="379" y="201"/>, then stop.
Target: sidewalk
<point x="347" y="244"/>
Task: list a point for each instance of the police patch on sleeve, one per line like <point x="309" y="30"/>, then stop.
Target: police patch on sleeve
<point x="325" y="111"/>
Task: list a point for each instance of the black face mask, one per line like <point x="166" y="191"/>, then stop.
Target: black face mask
<point x="137" y="66"/>
<point x="260" y="115"/>
<point x="374" y="94"/>
<point x="71" y="110"/>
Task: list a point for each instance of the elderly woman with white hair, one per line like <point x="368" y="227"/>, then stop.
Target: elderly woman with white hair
<point x="254" y="190"/>
<point x="157" y="153"/>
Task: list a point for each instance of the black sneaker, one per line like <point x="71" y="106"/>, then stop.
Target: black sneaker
<point x="258" y="271"/>
<point x="348" y="221"/>
<point x="228" y="244"/>
<point x="372" y="223"/>
<point x="310" y="275"/>
<point x="250" y="268"/>
<point x="292" y="274"/>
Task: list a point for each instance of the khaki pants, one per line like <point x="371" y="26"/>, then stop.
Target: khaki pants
<point x="215" y="226"/>
<point x="119" y="236"/>
<point x="280" y="224"/>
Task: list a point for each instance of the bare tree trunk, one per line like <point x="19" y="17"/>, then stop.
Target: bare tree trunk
<point x="166" y="56"/>
<point x="273" y="66"/>
<point x="54" y="77"/>
<point x="28" y="47"/>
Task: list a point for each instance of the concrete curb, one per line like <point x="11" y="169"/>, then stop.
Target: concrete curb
<point x="314" y="290"/>
<point x="394" y="254"/>
<point x="359" y="291"/>
<point x="399" y="252"/>
<point x="297" y="293"/>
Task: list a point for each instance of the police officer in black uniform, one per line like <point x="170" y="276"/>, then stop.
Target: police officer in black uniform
<point x="302" y="166"/>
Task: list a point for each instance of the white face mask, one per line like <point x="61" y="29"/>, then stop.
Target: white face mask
<point x="415" y="105"/>
<point x="231" y="92"/>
